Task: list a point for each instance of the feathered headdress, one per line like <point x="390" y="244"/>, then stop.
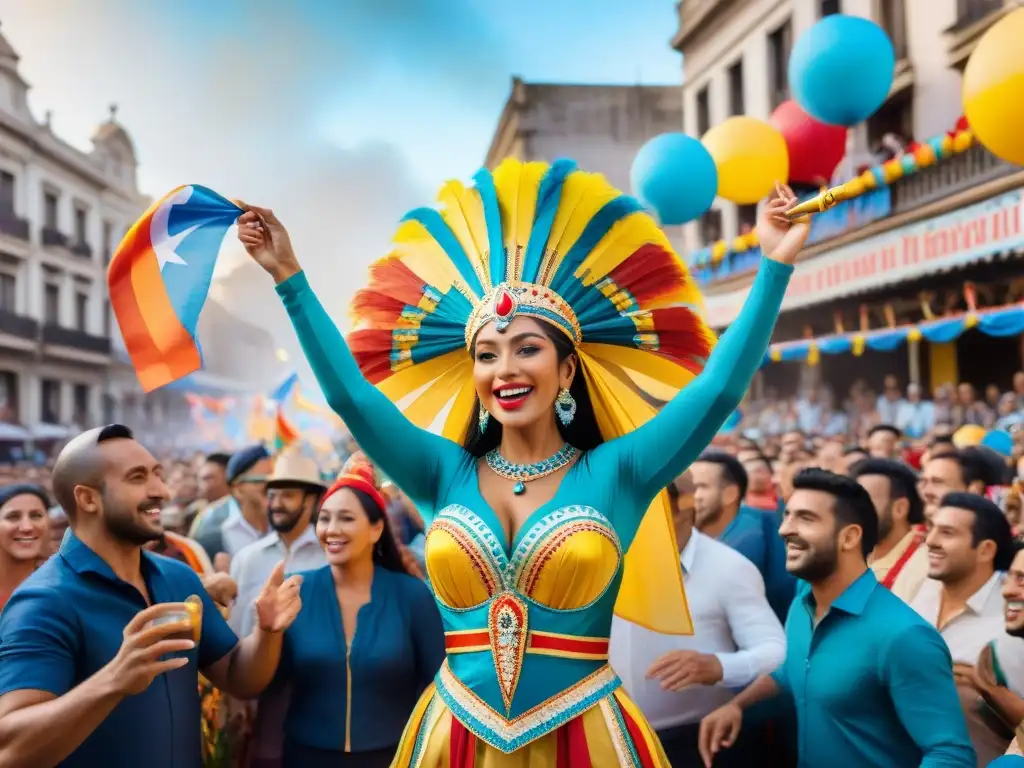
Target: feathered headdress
<point x="564" y="246"/>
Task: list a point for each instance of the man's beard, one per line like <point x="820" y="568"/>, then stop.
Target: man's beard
<point x="821" y="562"/>
<point x="126" y="528"/>
<point x="284" y="520"/>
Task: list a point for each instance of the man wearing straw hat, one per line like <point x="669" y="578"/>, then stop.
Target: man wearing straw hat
<point x="294" y="488"/>
<point x="293" y="492"/>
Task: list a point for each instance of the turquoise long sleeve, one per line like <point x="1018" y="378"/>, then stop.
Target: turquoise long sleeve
<point x="654" y="455"/>
<point x="413" y="458"/>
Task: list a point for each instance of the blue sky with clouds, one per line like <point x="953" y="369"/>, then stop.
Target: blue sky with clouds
<point x="340" y="114"/>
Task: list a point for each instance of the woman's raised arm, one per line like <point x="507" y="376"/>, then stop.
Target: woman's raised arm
<point x="415" y="459"/>
<point x="655" y="454"/>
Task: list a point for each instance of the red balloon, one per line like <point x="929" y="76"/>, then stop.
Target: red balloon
<point x="815" y="149"/>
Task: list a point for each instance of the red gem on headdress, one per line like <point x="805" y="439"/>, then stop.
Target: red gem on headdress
<point x="503" y="304"/>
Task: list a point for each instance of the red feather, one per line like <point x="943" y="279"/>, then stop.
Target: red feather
<point x="393" y="278"/>
<point x="683" y="337"/>
<point x="649" y="273"/>
<point x="372" y="350"/>
<point x="376" y="307"/>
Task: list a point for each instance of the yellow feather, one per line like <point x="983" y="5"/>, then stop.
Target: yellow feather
<point x="422" y="254"/>
<point x="619" y="243"/>
<point x="428" y="404"/>
<point x="473" y="208"/>
<point x="587" y="194"/>
<point x="517" y="185"/>
<point x="526" y="211"/>
<point x="574" y="187"/>
<point x="403" y="383"/>
<point x="456" y="425"/>
<point x="647" y="588"/>
<point x="642" y="367"/>
<point x="452" y="198"/>
<point x="506" y="183"/>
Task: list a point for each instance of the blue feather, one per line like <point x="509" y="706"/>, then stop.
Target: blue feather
<point x="454" y="308"/>
<point x="548" y="198"/>
<point x="564" y="283"/>
<point x="492" y="218"/>
<point x="423" y="352"/>
<point x="435" y="225"/>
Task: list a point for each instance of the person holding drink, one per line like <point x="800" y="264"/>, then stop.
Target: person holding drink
<point x="99" y="649"/>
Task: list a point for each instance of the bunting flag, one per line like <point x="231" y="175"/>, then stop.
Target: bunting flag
<point x="159" y="278"/>
<point x="284" y="390"/>
<point x="1000" y="322"/>
<point x="284" y="432"/>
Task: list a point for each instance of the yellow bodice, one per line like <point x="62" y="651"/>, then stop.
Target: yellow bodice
<point x="564" y="561"/>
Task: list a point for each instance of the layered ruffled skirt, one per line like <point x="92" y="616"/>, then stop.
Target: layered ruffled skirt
<point x="611" y="733"/>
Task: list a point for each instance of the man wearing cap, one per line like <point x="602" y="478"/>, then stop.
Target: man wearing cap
<point x="242" y="518"/>
<point x="293" y="492"/>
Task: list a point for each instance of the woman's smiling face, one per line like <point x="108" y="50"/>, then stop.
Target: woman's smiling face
<point x="517" y="372"/>
<point x="24" y="527"/>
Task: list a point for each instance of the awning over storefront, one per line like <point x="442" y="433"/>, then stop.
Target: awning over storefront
<point x="942" y="243"/>
<point x="44" y="431"/>
<point x="1000" y="322"/>
<point x="13" y="433"/>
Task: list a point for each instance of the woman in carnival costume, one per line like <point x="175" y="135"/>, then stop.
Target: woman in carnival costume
<point x="538" y="320"/>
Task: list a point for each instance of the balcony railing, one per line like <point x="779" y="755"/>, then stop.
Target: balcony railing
<point x="82" y="249"/>
<point x="954" y="174"/>
<point x="69" y="337"/>
<point x="970" y="11"/>
<point x="54" y="237"/>
<point x="14" y="226"/>
<point x="18" y="325"/>
<point x="948" y="177"/>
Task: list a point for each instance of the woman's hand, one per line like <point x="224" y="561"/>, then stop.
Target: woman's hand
<point x="780" y="238"/>
<point x="267" y="241"/>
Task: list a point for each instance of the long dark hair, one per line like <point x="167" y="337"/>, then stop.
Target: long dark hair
<point x="582" y="433"/>
<point x="385" y="551"/>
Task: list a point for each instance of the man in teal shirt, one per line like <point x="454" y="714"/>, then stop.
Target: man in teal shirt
<point x="871" y="680"/>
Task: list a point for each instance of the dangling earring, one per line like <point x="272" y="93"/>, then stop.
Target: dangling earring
<point x="565" y="407"/>
<point x="482" y="418"/>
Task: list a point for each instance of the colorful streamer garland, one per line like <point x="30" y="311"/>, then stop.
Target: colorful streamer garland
<point x="914" y="159"/>
<point x="1000" y="322"/>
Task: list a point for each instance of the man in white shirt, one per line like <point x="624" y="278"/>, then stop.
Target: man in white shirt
<point x="677" y="680"/>
<point x="294" y="489"/>
<point x="970" y="546"/>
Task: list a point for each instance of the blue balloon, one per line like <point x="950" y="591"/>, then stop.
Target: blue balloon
<point x="675" y="176"/>
<point x="1007" y="761"/>
<point x="841" y="69"/>
<point x="999" y="441"/>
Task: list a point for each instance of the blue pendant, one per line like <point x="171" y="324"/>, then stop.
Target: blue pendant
<point x="519" y="488"/>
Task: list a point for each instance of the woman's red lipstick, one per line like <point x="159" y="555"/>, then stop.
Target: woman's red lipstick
<point x="515" y="401"/>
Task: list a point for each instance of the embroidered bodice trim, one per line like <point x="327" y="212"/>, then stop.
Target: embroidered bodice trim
<point x="542" y="539"/>
<point x="508" y="735"/>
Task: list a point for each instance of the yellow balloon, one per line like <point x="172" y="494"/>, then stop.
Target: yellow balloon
<point x="750" y="155"/>
<point x="968" y="435"/>
<point x="994" y="89"/>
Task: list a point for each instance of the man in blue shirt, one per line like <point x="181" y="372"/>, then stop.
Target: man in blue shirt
<point x="872" y="681"/>
<point x="720" y="483"/>
<point x="87" y="678"/>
